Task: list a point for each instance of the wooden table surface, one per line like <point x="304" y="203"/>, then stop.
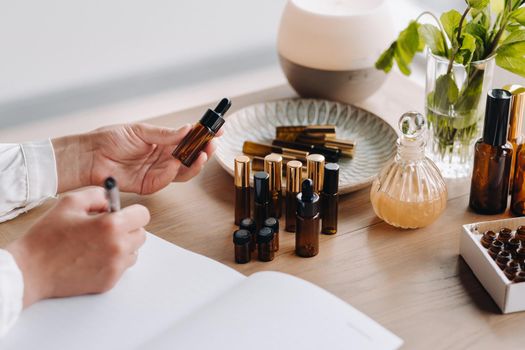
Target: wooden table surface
<point x="411" y="281"/>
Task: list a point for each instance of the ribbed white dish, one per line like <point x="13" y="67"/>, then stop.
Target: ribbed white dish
<point x="375" y="139"/>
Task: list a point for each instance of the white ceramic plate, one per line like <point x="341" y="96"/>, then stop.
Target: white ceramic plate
<point x="375" y="138"/>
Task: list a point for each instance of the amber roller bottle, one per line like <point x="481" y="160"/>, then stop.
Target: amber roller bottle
<point x="492" y="157"/>
<point x="273" y="165"/>
<point x="192" y="145"/>
<point x="515" y="124"/>
<point x="293" y="188"/>
<point x="261" y="203"/>
<point x="329" y="199"/>
<point x="242" y="188"/>
<point x="308" y="221"/>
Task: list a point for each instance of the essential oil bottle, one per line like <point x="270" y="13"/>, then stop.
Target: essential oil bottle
<point x="273" y="165"/>
<point x="249" y="224"/>
<point x="261" y="206"/>
<point x="515" y="124"/>
<point x="192" y="145"/>
<point x="265" y="244"/>
<point x="307" y="221"/>
<point x="293" y="188"/>
<point x="330" y="199"/>
<point x="241" y="241"/>
<point x="273" y="223"/>
<point x="242" y="188"/>
<point x="315" y="171"/>
<point x="492" y="157"/>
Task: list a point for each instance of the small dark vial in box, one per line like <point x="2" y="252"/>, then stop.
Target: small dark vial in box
<point x="512" y="268"/>
<point x="512" y="246"/>
<point x="505" y="234"/>
<point x="495" y="248"/>
<point x="487" y="239"/>
<point x="503" y="259"/>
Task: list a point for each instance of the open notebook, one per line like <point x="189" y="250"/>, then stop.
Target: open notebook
<point x="176" y="299"/>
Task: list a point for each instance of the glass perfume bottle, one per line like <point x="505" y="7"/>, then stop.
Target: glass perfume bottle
<point x="409" y="191"/>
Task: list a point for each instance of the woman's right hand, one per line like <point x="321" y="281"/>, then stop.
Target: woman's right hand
<point x="78" y="247"/>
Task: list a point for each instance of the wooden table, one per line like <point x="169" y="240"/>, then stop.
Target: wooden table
<point x="411" y="281"/>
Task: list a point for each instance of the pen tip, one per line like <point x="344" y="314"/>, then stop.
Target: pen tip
<point x="110" y="183"/>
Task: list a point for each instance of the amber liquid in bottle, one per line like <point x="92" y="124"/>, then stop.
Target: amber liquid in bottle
<point x="307" y="236"/>
<point x="290" y="211"/>
<point x="329" y="205"/>
<point x="293" y="188"/>
<point x="490" y="178"/>
<point x="193" y="144"/>
<point x="517" y="204"/>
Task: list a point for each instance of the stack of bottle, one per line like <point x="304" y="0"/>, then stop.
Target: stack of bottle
<point x="499" y="158"/>
<point x="507" y="248"/>
<point x="310" y="205"/>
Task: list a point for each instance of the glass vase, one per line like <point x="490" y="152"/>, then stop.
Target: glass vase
<point x="455" y="109"/>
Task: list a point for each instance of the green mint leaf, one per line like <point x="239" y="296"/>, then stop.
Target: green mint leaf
<point x="507" y="60"/>
<point x="481" y="17"/>
<point x="450" y="21"/>
<point x="386" y="60"/>
<point x="478" y="4"/>
<point x="514" y="37"/>
<point x="433" y="38"/>
<point x="408" y="43"/>
<point x="446" y="92"/>
<point x="518" y="15"/>
<point x="467" y="49"/>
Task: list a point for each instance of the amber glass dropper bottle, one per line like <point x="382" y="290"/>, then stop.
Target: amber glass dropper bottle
<point x="192" y="145"/>
<point x="308" y="221"/>
<point x="492" y="157"/>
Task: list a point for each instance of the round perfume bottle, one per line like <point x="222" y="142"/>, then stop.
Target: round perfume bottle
<point x="409" y="191"/>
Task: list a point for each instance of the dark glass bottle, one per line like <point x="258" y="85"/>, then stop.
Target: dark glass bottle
<point x="273" y="223"/>
<point x="515" y="124"/>
<point x="512" y="268"/>
<point x="517" y="203"/>
<point x="242" y="188"/>
<point x="261" y="203"/>
<point x="249" y="224"/>
<point x="273" y="165"/>
<point x="294" y="177"/>
<point x="241" y="240"/>
<point x="492" y="157"/>
<point x="315" y="171"/>
<point x="495" y="248"/>
<point x="191" y="146"/>
<point x="265" y="244"/>
<point x="330" y="199"/>
<point x="307" y="221"/>
<point x="487" y="239"/>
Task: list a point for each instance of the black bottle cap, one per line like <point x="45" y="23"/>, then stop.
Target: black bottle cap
<point x="213" y="119"/>
<point x="307" y="200"/>
<point x="248" y="224"/>
<point x="272" y="223"/>
<point x="331" y="178"/>
<point x="497" y="117"/>
<point x="261" y="187"/>
<point x="265" y="235"/>
<point x="242" y="237"/>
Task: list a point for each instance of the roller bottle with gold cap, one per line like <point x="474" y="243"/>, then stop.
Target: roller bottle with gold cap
<point x="293" y="188"/>
<point x="193" y="144"/>
<point x="273" y="165"/>
<point x="315" y="171"/>
<point x="242" y="188"/>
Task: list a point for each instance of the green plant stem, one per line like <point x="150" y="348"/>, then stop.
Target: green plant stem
<point x="456" y="49"/>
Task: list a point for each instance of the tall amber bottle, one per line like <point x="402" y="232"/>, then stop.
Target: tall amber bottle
<point x="192" y="145"/>
<point x="517" y="203"/>
<point x="492" y="157"/>
<point x="294" y="176"/>
<point x="330" y="199"/>
<point x="242" y="188"/>
<point x="515" y="123"/>
<point x="273" y="165"/>
<point x="261" y="203"/>
<point x="308" y="221"/>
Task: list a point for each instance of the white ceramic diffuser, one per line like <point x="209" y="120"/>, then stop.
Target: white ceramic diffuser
<point x="327" y="48"/>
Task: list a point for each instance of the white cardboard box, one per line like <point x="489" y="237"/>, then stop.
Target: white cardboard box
<point x="509" y="296"/>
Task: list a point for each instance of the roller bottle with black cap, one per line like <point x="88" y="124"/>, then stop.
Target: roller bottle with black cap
<point x="261" y="202"/>
<point x="193" y="144"/>
<point x="330" y="199"/>
<point x="492" y="157"/>
<point x="307" y="221"/>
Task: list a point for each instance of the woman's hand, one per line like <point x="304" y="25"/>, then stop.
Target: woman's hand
<point x="138" y="156"/>
<point x="77" y="247"/>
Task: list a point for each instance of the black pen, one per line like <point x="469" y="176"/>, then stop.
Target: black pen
<point x="112" y="194"/>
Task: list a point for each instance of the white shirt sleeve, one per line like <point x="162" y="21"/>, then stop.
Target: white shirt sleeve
<point x="28" y="176"/>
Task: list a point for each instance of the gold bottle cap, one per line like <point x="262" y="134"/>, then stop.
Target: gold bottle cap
<point x="294" y="176"/>
<point x="242" y="171"/>
<point x="273" y="165"/>
<point x="517" y="110"/>
<point x="315" y="170"/>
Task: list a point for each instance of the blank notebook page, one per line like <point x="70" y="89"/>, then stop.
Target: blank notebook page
<point x="165" y="285"/>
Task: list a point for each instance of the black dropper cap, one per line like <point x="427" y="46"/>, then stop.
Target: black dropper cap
<point x="265" y="235"/>
<point x="213" y="119"/>
<point x="110" y="183"/>
<point x="497" y="117"/>
<point x="261" y="187"/>
<point x="242" y="237"/>
<point x="331" y="178"/>
<point x="272" y="223"/>
<point x="307" y="200"/>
